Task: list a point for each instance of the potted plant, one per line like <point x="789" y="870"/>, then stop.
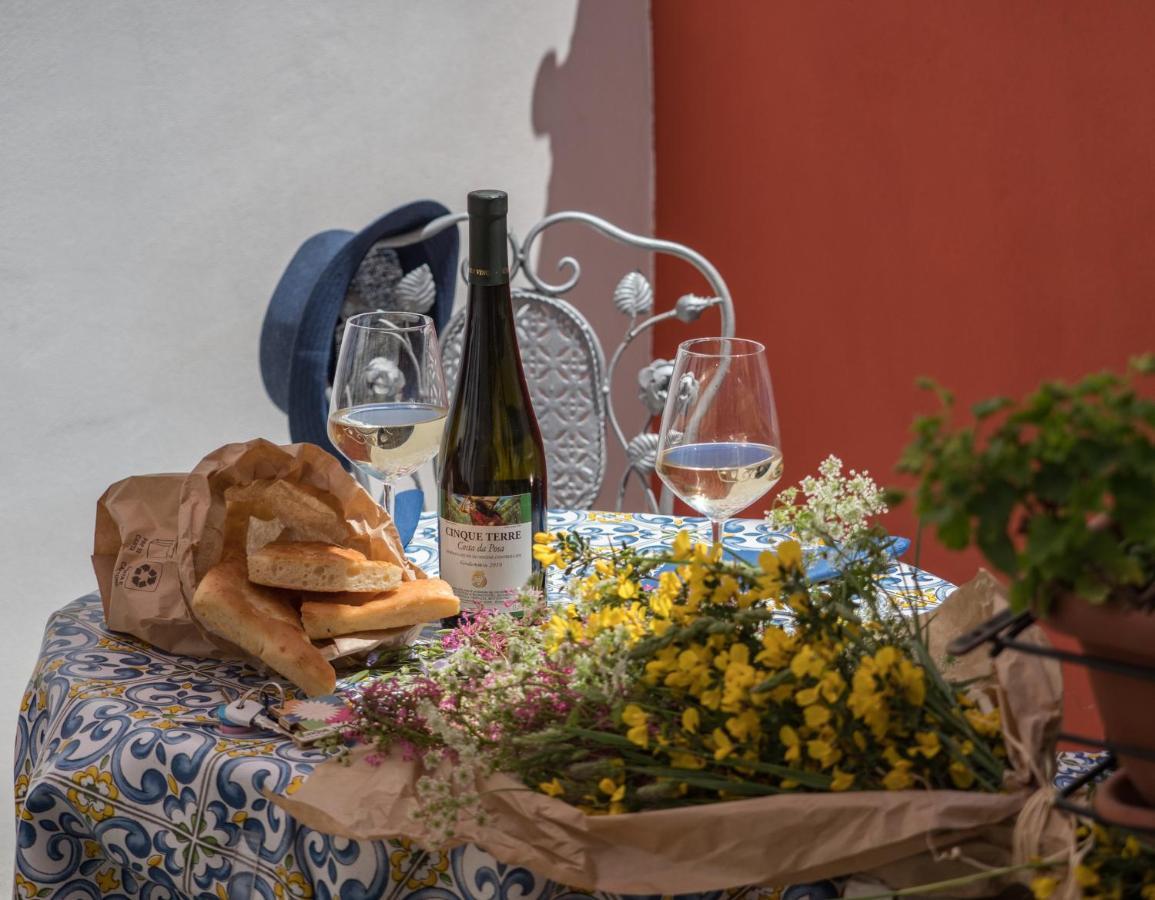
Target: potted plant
<point x="1057" y="490"/>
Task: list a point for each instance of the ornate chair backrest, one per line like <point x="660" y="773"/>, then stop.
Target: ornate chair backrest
<point x="566" y="368"/>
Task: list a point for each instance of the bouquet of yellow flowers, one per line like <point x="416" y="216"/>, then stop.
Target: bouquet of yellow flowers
<point x="730" y="680"/>
<point x="666" y="682"/>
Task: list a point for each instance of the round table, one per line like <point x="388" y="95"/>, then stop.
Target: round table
<point x="118" y="795"/>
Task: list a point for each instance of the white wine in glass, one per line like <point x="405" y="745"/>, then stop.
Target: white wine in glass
<point x="719" y="448"/>
<point x="388" y="439"/>
<point x="389" y="404"/>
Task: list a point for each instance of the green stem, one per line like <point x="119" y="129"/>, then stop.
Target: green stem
<point x="958" y="882"/>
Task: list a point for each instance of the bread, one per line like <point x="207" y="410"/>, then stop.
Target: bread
<point x="300" y="504"/>
<point x="262" y="532"/>
<point x="262" y="622"/>
<point x="302" y="511"/>
<point x="313" y="566"/>
<point x="410" y="603"/>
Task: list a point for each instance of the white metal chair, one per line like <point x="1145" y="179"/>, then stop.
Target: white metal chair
<point x="565" y="365"/>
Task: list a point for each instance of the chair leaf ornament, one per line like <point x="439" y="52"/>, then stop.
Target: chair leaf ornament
<point x="416" y="291"/>
<point x="633" y="296"/>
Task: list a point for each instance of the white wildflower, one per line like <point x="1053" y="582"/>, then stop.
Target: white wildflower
<point x="836" y="507"/>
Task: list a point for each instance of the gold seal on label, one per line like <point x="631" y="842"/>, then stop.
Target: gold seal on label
<point x="479" y="580"/>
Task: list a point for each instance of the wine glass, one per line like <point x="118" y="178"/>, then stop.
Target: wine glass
<point x="388" y="406"/>
<point x="719" y="448"/>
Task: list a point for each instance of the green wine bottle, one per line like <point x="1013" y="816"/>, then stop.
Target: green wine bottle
<point x="493" y="470"/>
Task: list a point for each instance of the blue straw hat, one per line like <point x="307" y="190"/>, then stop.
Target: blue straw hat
<point x="297" y="338"/>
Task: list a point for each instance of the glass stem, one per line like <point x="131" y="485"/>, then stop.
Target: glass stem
<point x="389" y="499"/>
<point x="716" y="526"/>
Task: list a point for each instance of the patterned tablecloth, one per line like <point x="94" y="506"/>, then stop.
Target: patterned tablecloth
<point x="116" y="796"/>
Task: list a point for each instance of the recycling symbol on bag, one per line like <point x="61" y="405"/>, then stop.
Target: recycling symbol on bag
<point x="144" y="577"/>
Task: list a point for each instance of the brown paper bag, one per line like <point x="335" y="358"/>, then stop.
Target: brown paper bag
<point x="157" y="535"/>
<point x="134" y="555"/>
<point x="900" y="836"/>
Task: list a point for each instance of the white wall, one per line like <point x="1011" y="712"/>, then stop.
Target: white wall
<point x="159" y="164"/>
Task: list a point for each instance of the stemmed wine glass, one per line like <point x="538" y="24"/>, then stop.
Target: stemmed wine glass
<point x="389" y="403"/>
<point x="719" y="447"/>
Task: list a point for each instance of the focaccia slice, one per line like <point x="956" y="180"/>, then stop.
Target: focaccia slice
<point x="314" y="566"/>
<point x="410" y="603"/>
<point x="262" y="622"/>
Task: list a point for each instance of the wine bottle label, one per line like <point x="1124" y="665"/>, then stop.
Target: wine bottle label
<point x="486" y="547"/>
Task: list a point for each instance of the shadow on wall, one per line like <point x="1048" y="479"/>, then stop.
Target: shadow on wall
<point x="595" y="107"/>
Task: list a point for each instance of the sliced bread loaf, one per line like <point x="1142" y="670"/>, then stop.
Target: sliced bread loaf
<point x="314" y="566"/>
<point x="410" y="603"/>
<point x="262" y="622"/>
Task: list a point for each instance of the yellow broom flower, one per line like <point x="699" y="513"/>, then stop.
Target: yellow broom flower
<point x="635" y="717"/>
<point x="553" y="788"/>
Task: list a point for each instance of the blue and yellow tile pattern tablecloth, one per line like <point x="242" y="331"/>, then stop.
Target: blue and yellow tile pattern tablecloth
<point x="119" y="796"/>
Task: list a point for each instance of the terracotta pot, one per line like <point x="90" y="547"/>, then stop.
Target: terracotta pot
<point x="1126" y="703"/>
<point x="1117" y="801"/>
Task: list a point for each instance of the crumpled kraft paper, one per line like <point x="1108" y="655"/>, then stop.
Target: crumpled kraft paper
<point x="157" y="535"/>
<point x="905" y="838"/>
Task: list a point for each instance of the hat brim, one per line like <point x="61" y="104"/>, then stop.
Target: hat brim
<point x="287" y="307"/>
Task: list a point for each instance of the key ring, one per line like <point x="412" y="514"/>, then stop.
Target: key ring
<point x="265" y="694"/>
<point x="274" y="689"/>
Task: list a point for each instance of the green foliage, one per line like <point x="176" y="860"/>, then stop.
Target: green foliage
<point x="1057" y="489"/>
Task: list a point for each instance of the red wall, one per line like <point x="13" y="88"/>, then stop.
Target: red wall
<point x="963" y="190"/>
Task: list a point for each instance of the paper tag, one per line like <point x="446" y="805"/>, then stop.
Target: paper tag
<point x="312" y="720"/>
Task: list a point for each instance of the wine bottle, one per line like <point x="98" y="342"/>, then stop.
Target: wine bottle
<point x="492" y="496"/>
